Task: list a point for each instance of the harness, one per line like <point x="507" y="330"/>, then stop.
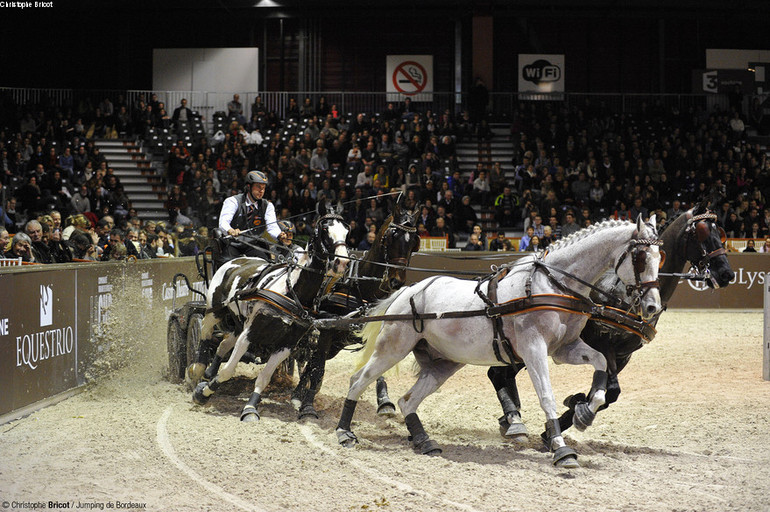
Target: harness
<point x="256" y="290"/>
<point x="618" y="314"/>
<point x="699" y="229"/>
<point x="344" y="303"/>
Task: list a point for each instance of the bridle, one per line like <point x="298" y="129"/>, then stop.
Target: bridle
<point x="322" y="249"/>
<point x="637" y="251"/>
<point x="699" y="229"/>
<point x="400" y="261"/>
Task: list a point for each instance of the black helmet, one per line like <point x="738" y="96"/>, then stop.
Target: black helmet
<point x="256" y="177"/>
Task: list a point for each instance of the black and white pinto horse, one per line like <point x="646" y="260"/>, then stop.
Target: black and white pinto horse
<point x="273" y="302"/>
<point x="447" y="341"/>
<point x="693" y="238"/>
<point x="379" y="273"/>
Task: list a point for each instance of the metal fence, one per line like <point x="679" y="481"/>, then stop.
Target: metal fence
<point x="501" y="105"/>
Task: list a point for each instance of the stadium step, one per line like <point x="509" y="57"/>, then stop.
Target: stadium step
<point x="143" y="185"/>
<point x="499" y="149"/>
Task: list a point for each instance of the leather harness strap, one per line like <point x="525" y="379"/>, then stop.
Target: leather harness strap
<point x="544" y="302"/>
<point x="500" y="339"/>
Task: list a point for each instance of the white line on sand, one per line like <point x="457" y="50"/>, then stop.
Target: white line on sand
<point x="168" y="450"/>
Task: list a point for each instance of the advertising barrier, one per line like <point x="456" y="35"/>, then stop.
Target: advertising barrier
<point x="55" y="320"/>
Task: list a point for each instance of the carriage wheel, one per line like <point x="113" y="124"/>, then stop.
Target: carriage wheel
<point x="177" y="352"/>
<point x="193" y="375"/>
<point x="194" y="337"/>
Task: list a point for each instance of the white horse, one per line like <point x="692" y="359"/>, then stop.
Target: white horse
<point x="445" y="345"/>
<point x="273" y="322"/>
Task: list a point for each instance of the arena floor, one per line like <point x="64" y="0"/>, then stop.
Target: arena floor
<point x="690" y="433"/>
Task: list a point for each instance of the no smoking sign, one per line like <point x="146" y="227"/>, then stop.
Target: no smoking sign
<point x="410" y="78"/>
<point x="410" y="75"/>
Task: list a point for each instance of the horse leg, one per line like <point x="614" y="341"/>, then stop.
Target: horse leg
<point x="613" y="390"/>
<point x="249" y="413"/>
<point x="384" y="357"/>
<point x="433" y="373"/>
<point x="579" y="352"/>
<point x="204" y="390"/>
<point x="384" y="406"/>
<point x="503" y="379"/>
<point x="313" y="375"/>
<point x="299" y="391"/>
<point x="535" y="353"/>
<point x="224" y="347"/>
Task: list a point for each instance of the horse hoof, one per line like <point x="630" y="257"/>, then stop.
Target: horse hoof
<point x="307" y="412"/>
<point x="194" y="374"/>
<point x="515" y="430"/>
<point x="346" y="438"/>
<point x="249" y="414"/>
<point x="430" y="447"/>
<point x="198" y="396"/>
<point x="386" y="409"/>
<point x="583" y="417"/>
<point x="565" y="457"/>
<point x="520" y="439"/>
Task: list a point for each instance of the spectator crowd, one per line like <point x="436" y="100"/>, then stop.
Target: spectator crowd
<point x="572" y="165"/>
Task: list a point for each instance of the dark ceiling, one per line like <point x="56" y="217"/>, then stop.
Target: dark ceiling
<point x="742" y="9"/>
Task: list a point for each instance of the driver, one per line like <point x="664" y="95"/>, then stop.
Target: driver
<point x="249" y="211"/>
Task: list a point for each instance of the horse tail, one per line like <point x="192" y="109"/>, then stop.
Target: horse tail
<point x="371" y="329"/>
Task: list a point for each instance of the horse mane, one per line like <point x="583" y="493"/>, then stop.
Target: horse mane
<point x="385" y="225"/>
<point x="586" y="232"/>
<point x="370" y="254"/>
<point x="681" y="219"/>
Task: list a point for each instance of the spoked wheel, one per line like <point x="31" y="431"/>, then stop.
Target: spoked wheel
<point x="177" y="351"/>
<point x="195" y="370"/>
<point x="284" y="374"/>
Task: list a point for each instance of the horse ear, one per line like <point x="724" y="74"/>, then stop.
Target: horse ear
<point x="715" y="199"/>
<point x="653" y="220"/>
<point x="702" y="207"/>
<point x="339" y="209"/>
<point x="414" y="215"/>
<point x="397" y="205"/>
<point x="320" y="208"/>
<point x="639" y="223"/>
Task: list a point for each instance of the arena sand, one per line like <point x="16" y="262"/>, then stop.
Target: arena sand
<point x="690" y="433"/>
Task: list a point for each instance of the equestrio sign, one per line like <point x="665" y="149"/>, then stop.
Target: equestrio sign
<point x="39" y="338"/>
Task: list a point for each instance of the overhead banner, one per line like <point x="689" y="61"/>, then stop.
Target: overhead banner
<point x="541" y="73"/>
<point x="409" y="76"/>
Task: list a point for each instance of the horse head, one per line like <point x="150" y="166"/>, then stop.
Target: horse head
<point x="637" y="267"/>
<point x="704" y="246"/>
<point x="399" y="241"/>
<point x="329" y="237"/>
